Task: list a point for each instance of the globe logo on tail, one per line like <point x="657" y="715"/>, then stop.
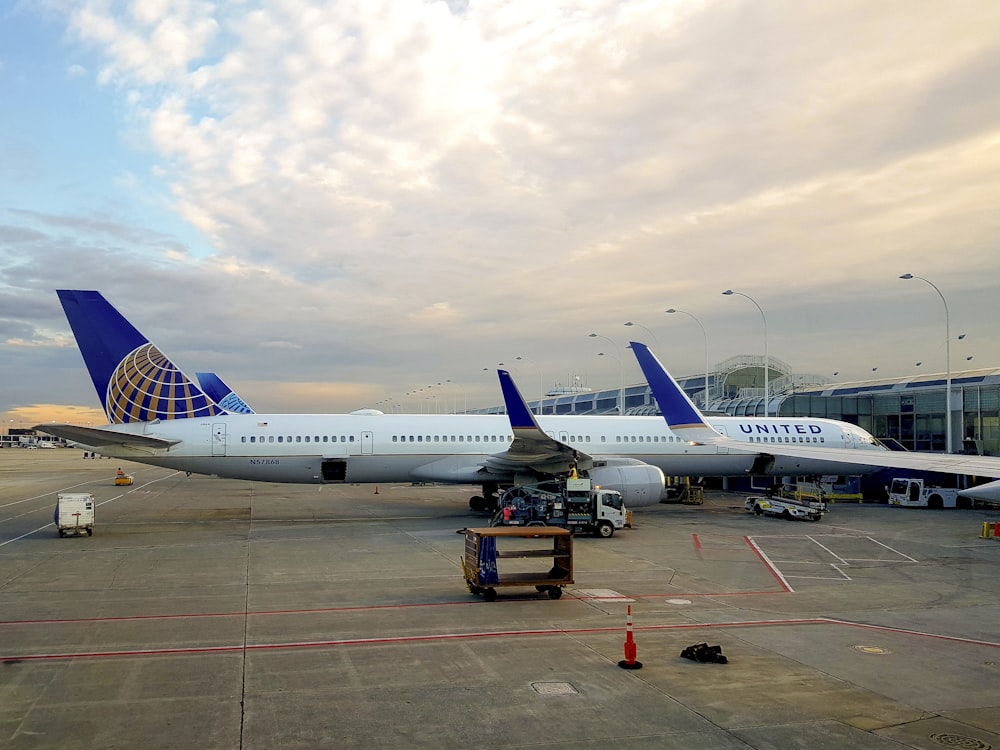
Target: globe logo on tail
<point x="147" y="386"/>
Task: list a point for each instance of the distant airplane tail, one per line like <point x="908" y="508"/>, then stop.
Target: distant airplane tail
<point x="222" y="394"/>
<point x="133" y="379"/>
<point x="683" y="417"/>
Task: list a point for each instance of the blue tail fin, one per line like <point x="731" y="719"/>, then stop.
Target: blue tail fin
<point x="222" y="394"/>
<point x="134" y="380"/>
<point x="678" y="410"/>
<point x="517" y="408"/>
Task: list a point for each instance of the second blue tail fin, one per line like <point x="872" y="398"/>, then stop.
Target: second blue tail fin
<point x="217" y="390"/>
<point x="134" y="380"/>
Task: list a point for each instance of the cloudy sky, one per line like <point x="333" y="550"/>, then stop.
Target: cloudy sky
<point x="333" y="204"/>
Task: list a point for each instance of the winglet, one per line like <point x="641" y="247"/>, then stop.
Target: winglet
<point x="517" y="408"/>
<point x="134" y="380"/>
<point x="681" y="414"/>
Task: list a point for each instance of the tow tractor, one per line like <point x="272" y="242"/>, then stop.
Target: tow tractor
<point x="573" y="504"/>
<point x="914" y="493"/>
<point x="784" y="507"/>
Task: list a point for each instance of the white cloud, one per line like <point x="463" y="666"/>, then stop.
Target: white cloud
<point x="510" y="172"/>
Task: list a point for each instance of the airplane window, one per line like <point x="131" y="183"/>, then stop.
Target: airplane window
<point x="253" y="438"/>
<point x="420" y="438"/>
<point x="298" y="438"/>
<point x="394" y="438"/>
<point x="352" y="439"/>
<point x="307" y="438"/>
<point x="270" y="438"/>
<point x="428" y="438"/>
<point x="315" y="438"/>
<point x="325" y="438"/>
<point x="281" y="439"/>
<point x="461" y="438"/>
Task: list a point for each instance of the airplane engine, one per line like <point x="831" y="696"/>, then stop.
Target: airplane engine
<point x="639" y="483"/>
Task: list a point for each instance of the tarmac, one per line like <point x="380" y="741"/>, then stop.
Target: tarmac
<point x="214" y="613"/>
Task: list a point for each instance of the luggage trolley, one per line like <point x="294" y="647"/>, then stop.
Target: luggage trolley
<point x="484" y="548"/>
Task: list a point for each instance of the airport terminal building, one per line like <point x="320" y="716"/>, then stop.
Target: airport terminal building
<point x="908" y="410"/>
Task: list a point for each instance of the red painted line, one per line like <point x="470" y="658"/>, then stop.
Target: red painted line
<point x="767" y="563"/>
<point x="396" y="640"/>
<point x="697" y="541"/>
<point x="469" y="636"/>
<point x="919" y="633"/>
<point x="126" y="618"/>
<point x="390" y="640"/>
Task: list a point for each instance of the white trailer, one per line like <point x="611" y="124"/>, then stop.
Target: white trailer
<point x="914" y="493"/>
<point x="75" y="513"/>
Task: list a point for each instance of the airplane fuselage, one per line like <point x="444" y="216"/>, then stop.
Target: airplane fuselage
<point x="305" y="448"/>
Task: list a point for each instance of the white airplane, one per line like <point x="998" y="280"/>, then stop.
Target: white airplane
<point x="158" y="416"/>
<point x="685" y="420"/>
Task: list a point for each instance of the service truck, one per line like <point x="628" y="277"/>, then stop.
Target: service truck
<point x="75" y="513"/>
<point x="785" y="507"/>
<point x="574" y="504"/>
<point x="911" y="492"/>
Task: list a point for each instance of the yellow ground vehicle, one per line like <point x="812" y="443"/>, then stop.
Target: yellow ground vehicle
<point x="486" y="548"/>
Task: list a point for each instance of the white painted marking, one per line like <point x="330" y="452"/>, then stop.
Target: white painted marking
<point x="893" y="550"/>
<point x="830" y="551"/>
<point x="771" y="565"/>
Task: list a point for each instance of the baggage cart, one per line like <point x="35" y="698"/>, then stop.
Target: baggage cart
<point x="488" y="563"/>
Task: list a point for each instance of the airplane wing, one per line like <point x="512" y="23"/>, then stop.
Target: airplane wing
<point x="96" y="437"/>
<point x="531" y="448"/>
<point x="686" y="421"/>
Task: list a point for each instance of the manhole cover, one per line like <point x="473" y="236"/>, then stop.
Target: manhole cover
<point x="874" y="650"/>
<point x="554" y="688"/>
<point x="959" y="740"/>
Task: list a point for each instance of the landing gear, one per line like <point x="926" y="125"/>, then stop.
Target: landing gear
<point x="487" y="501"/>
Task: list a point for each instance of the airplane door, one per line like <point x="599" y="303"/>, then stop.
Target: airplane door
<point x="219" y="439"/>
<point x="722" y="449"/>
<point x="367" y="443"/>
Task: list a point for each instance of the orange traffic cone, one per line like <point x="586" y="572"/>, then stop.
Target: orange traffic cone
<point x="629" y="661"/>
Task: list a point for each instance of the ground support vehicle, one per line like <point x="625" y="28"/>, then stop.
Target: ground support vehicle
<point x="826" y="488"/>
<point x="787" y="508"/>
<point x="74" y="513"/>
<point x="914" y="493"/>
<point x="124" y="480"/>
<point x="491" y="560"/>
<point x="572" y="504"/>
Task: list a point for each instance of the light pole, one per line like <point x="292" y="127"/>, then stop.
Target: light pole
<point x="704" y="335"/>
<point x="651" y="334"/>
<point x="541" y="390"/>
<point x="947" y="356"/>
<point x="767" y="389"/>
<point x="621" y="371"/>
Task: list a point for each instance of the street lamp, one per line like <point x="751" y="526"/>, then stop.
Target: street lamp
<point x="704" y="335"/>
<point x="767" y="389"/>
<point x="651" y="334"/>
<point x="947" y="356"/>
<point x="621" y="370"/>
<point x="541" y="390"/>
